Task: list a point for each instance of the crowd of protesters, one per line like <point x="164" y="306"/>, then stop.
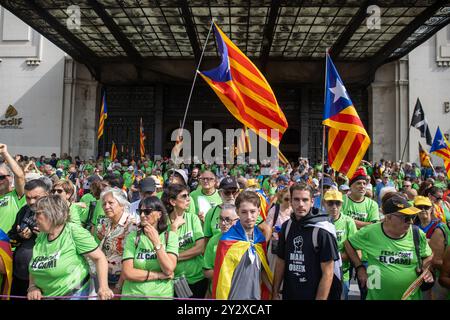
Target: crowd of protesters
<point x="141" y="228"/>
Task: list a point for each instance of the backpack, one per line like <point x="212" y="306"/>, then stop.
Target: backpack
<point x="336" y="285"/>
<point x="88" y="224"/>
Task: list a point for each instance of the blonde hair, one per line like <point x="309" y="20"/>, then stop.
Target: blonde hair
<point x="68" y="188"/>
<point x="54" y="208"/>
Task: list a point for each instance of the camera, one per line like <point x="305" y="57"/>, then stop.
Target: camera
<point x="28" y="222"/>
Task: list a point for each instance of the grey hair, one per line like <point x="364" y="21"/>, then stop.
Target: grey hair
<point x="118" y="195"/>
<point x="229" y="206"/>
<point x="385" y="190"/>
<point x="54" y="208"/>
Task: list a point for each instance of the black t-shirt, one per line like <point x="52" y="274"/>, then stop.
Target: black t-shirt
<point x="302" y="272"/>
<point x="24" y="247"/>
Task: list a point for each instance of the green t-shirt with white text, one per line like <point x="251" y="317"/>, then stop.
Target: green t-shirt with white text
<point x="391" y="262"/>
<point x="58" y="267"/>
<point x="145" y="258"/>
<point x="10" y="204"/>
<point x="188" y="234"/>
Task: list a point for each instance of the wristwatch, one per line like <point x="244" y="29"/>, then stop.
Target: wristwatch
<point x="159" y="246"/>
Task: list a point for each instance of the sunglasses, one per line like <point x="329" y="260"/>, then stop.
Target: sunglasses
<point x="4" y="177"/>
<point x="227" y="220"/>
<point x="405" y="218"/>
<point x="146" y="212"/>
<point x="57" y="191"/>
<point x="184" y="196"/>
<point x="334" y="203"/>
<point x="425" y="208"/>
<point x="229" y="192"/>
<point x="287" y="199"/>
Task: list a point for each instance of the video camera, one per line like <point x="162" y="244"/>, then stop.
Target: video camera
<point x="28" y="222"/>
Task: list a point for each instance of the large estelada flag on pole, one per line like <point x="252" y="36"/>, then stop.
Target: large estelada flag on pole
<point x="102" y="118"/>
<point x="245" y="91"/>
<point x="425" y="160"/>
<point x="6" y="256"/>
<point x="419" y="122"/>
<point x="141" y="139"/>
<point x="441" y="148"/>
<point x="348" y="140"/>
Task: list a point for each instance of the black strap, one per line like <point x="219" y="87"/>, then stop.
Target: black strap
<point x="275" y="216"/>
<point x="138" y="238"/>
<point x="92" y="206"/>
<point x="416" y="239"/>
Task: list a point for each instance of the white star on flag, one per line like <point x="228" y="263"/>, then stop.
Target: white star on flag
<point x="339" y="91"/>
<point x="442" y="142"/>
<point x="418" y="113"/>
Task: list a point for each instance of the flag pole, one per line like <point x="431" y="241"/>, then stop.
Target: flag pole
<point x="406" y="142"/>
<point x="196" y="72"/>
<point x="324" y="129"/>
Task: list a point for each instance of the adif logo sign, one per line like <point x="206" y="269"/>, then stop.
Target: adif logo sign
<point x="11" y="121"/>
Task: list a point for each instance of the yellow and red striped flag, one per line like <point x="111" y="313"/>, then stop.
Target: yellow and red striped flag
<point x="282" y="158"/>
<point x="425" y="160"/>
<point x="113" y="151"/>
<point x="245" y="91"/>
<point x="102" y="118"/>
<point x="243" y="143"/>
<point x="141" y="139"/>
<point x="348" y="140"/>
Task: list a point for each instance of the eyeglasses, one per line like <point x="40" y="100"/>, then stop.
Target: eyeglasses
<point x="58" y="191"/>
<point x="4" y="177"/>
<point x="147" y="212"/>
<point x="407" y="185"/>
<point x="424" y="208"/>
<point x="334" y="203"/>
<point x="227" y="220"/>
<point x="229" y="192"/>
<point x="207" y="179"/>
<point x="405" y="218"/>
<point x="184" y="196"/>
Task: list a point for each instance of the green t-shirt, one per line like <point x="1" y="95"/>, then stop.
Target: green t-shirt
<point x="127" y="180"/>
<point x="365" y="211"/>
<point x="391" y="262"/>
<point x="65" y="163"/>
<point x="58" y="266"/>
<point x="10" y="204"/>
<point x="441" y="185"/>
<point x="345" y="227"/>
<point x="204" y="202"/>
<point x="210" y="252"/>
<point x="75" y="213"/>
<point x="145" y="258"/>
<point x="188" y="234"/>
<point x="97" y="217"/>
<point x="87" y="198"/>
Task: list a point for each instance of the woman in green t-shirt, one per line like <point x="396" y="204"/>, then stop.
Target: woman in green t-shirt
<point x="66" y="190"/>
<point x="58" y="266"/>
<point x="150" y="254"/>
<point x="191" y="242"/>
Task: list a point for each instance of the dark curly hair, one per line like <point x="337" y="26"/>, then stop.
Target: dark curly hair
<point x="154" y="204"/>
<point x="171" y="192"/>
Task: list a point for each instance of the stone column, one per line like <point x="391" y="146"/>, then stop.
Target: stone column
<point x="158" y="120"/>
<point x="67" y="140"/>
<point x="402" y="109"/>
<point x="304" y="122"/>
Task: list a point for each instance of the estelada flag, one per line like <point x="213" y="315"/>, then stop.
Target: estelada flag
<point x="232" y="247"/>
<point x="6" y="256"/>
<point x="245" y="91"/>
<point x="141" y="139"/>
<point x="113" y="151"/>
<point x="348" y="140"/>
<point x="425" y="161"/>
<point x="102" y="118"/>
<point x="441" y="148"/>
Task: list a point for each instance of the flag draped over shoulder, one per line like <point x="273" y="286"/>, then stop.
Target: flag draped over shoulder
<point x="141" y="139"/>
<point x="113" y="151"/>
<point x="425" y="161"/>
<point x="230" y="251"/>
<point x="441" y="148"/>
<point x="245" y="91"/>
<point x="102" y="118"/>
<point x="6" y="256"/>
<point x="419" y="122"/>
<point x="348" y="140"/>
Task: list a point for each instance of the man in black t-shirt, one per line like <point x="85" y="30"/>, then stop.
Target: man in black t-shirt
<point x="308" y="261"/>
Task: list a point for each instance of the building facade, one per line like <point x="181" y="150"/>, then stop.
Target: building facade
<point x="58" y="102"/>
